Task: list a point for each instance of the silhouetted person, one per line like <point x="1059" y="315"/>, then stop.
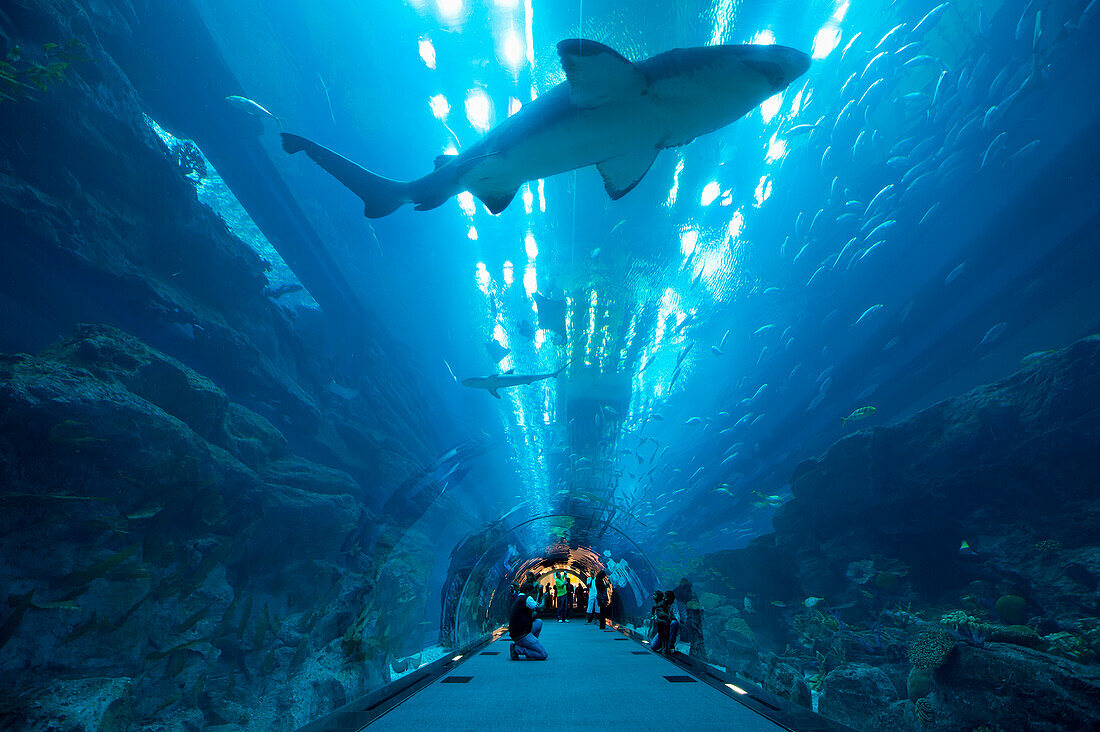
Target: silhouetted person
<point x="524" y="629"/>
<point x="692" y="615"/>
<point x="593" y="599"/>
<point x="560" y="583"/>
<point x="665" y="625"/>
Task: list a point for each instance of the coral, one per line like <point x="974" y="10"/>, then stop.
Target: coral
<point x="919" y="683"/>
<point x="887" y="581"/>
<point x="861" y="572"/>
<point x="1048" y="546"/>
<point x="1011" y="609"/>
<point x="924" y="712"/>
<point x="1069" y="646"/>
<point x="930" y="649"/>
<point x="966" y="628"/>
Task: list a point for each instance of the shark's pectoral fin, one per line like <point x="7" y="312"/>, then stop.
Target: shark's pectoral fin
<point x="441" y="160"/>
<point x="495" y="201"/>
<point x="494" y="393"/>
<point x="622" y="173"/>
<point x="597" y="73"/>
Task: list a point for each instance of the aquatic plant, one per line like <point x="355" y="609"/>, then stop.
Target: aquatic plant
<point x="20" y="77"/>
<point x="930" y="649"/>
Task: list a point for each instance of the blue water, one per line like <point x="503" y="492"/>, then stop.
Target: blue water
<point x="903" y="223"/>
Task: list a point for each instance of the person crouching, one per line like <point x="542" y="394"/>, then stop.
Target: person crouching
<point x="524" y="628"/>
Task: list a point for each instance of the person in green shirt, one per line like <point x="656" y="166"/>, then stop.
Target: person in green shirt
<point x="560" y="591"/>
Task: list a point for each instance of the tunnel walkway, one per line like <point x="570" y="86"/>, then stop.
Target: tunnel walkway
<point x="593" y="680"/>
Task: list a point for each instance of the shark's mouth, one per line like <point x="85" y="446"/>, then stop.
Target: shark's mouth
<point x="774" y="73"/>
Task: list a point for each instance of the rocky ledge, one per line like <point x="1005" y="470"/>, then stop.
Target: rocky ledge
<point x="168" y="561"/>
<point x="940" y="572"/>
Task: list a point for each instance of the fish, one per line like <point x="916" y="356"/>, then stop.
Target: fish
<point x="993" y="334"/>
<point x="1025" y="150"/>
<point x="871" y="64"/>
<point x="939" y="87"/>
<point x="811" y="601"/>
<point x="253" y="108"/>
<point x="147" y="512"/>
<point x="1034" y="356"/>
<point x="929" y="20"/>
<point x="496" y="351"/>
<point x="889" y="33"/>
<point x="450" y="370"/>
<point x="763" y="329"/>
<point x="954" y="274"/>
<point x="993" y="145"/>
<point x="508" y="379"/>
<point x="880" y="229"/>
<point x="921" y="60"/>
<point x="609" y="112"/>
<point x="551" y="313"/>
<point x="848" y="47"/>
<point x="928" y="214"/>
<point x="858" y="414"/>
<point x="883" y="194"/>
<point x="692" y="420"/>
<point x="868" y="313"/>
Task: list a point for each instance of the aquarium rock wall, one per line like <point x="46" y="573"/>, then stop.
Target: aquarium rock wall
<point x="924" y="574"/>
<point x="191" y="492"/>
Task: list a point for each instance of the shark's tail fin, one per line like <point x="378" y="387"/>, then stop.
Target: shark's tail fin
<point x="381" y="196"/>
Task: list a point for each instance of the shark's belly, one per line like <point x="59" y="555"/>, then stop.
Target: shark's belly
<point x="572" y="140"/>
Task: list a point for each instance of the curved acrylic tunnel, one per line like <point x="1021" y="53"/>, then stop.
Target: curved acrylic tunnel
<point x="534" y="546"/>
<point x="827" y="374"/>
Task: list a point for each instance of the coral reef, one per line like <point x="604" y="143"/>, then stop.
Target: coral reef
<point x="195" y="563"/>
<point x="934" y="556"/>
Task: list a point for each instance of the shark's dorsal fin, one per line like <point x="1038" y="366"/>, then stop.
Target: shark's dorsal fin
<point x="510" y="371"/>
<point x="623" y="172"/>
<point x="597" y="73"/>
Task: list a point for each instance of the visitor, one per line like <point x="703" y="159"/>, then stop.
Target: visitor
<point x="560" y="583"/>
<point x="593" y="596"/>
<point x="524" y="628"/>
<point x="667" y="624"/>
<point x="604" y="595"/>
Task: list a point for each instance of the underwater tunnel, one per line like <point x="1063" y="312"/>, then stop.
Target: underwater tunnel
<point x="466" y="364"/>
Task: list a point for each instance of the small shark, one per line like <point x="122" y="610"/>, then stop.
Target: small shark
<point x="508" y="379"/>
<point x="610" y="112"/>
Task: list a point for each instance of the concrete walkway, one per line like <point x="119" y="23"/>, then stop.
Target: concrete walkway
<point x="593" y="679"/>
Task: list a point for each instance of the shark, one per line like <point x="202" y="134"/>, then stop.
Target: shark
<point x="509" y="378"/>
<point x="609" y="112"/>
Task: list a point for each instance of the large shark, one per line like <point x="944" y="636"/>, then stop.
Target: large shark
<point x="609" y="112"/>
<point x="502" y="381"/>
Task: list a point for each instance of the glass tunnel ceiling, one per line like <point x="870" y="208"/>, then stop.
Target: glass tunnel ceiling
<point x="717" y="323"/>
